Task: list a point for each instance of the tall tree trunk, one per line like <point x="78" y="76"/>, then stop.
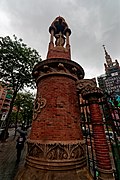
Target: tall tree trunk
<point x="8" y="116"/>
<point x="16" y="119"/>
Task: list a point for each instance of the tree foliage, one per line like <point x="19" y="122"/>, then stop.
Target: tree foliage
<point x="16" y="64"/>
<point x="24" y="103"/>
<point x="23" y="109"/>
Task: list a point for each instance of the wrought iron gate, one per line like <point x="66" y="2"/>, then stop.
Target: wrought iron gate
<point x="111" y="120"/>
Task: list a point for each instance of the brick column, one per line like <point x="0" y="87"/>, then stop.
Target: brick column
<point x="56" y="149"/>
<point x="91" y="93"/>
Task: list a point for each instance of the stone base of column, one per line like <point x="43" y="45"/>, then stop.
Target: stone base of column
<point x="106" y="174"/>
<point x="30" y="173"/>
<point x="55" y="161"/>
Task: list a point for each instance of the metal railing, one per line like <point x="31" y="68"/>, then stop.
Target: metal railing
<point x="111" y="120"/>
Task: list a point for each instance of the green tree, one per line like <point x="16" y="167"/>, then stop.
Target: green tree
<point x="27" y="107"/>
<point x="17" y="103"/>
<point x="24" y="109"/>
<point x="16" y="64"/>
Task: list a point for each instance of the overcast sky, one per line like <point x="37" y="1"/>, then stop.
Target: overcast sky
<point x="92" y="22"/>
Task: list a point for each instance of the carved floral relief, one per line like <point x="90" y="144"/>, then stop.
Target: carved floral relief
<point x="38" y="106"/>
<point x="56" y="151"/>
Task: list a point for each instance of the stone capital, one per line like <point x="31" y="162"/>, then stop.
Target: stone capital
<point x="88" y="88"/>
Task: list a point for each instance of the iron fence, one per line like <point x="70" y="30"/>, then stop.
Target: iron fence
<point x="111" y="120"/>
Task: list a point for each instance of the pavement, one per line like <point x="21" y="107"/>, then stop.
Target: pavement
<point x="8" y="165"/>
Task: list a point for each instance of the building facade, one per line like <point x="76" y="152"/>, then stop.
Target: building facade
<point x="110" y="81"/>
<point x="5" y="99"/>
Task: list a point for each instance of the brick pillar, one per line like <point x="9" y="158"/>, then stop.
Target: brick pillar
<point x="56" y="149"/>
<point x="59" y="118"/>
<point x="91" y="93"/>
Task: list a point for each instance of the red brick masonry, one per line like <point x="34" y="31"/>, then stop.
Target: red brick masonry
<point x="59" y="120"/>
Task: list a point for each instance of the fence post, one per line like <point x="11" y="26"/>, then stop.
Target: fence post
<point x="92" y="93"/>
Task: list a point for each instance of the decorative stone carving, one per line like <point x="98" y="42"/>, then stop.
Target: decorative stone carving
<point x="35" y="150"/>
<point x="74" y="69"/>
<point x="83" y="83"/>
<point x="55" y="66"/>
<point x="56" y="151"/>
<point x="38" y="105"/>
<point x="60" y="39"/>
<point x="61" y="48"/>
<point x="88" y="87"/>
<point x="46" y="67"/>
<point x="59" y="29"/>
<point x="61" y="66"/>
<point x="77" y="152"/>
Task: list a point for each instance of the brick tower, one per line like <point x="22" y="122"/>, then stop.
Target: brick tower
<point x="56" y="149"/>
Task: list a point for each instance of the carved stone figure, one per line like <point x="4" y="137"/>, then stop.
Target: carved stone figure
<point x="60" y="39"/>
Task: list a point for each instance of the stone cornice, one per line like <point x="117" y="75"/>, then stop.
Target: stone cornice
<point x="58" y="67"/>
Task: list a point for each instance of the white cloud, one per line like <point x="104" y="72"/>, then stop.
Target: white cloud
<point x="93" y="23"/>
<point x="5" y="24"/>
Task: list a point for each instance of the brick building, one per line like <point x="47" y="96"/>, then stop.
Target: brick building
<point x="5" y="99"/>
